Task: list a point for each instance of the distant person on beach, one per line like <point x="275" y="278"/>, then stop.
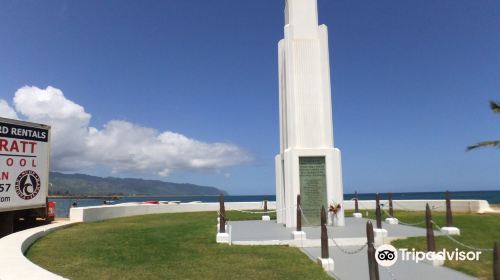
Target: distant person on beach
<point x="73" y="205"/>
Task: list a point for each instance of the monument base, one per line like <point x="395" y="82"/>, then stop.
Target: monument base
<point x="379" y="235"/>
<point x="450" y="230"/>
<point x="392" y="221"/>
<point x="327" y="264"/>
<point x="298" y="235"/>
<point x="266" y="218"/>
<point x="223" y="238"/>
<point x="357" y="215"/>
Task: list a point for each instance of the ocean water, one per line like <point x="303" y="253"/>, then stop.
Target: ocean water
<point x="63" y="204"/>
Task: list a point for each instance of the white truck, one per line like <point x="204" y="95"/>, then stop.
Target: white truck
<point x="24" y="174"/>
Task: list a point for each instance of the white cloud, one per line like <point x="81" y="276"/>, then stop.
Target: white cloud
<point x="48" y="103"/>
<point x="69" y="121"/>
<point x="120" y="145"/>
<point x="6" y="111"/>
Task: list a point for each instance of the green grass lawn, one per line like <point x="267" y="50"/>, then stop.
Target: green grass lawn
<point x="477" y="230"/>
<point x="165" y="246"/>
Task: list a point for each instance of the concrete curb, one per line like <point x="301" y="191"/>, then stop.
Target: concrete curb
<point x="14" y="265"/>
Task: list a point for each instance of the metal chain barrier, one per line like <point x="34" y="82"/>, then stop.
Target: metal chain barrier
<point x="348" y="252"/>
<point x="303" y="216"/>
<point x="399" y="206"/>
<point x="460" y="243"/>
<point x="412" y="224"/>
<point x="342" y="249"/>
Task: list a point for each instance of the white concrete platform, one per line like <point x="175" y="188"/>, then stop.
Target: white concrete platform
<point x="354" y="233"/>
<point x="349" y="238"/>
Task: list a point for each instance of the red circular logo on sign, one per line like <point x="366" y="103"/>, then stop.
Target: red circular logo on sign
<point x="27" y="184"/>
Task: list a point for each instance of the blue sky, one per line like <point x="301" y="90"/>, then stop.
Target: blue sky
<point x="411" y="81"/>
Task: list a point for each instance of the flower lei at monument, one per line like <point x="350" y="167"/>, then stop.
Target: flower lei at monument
<point x="334" y="208"/>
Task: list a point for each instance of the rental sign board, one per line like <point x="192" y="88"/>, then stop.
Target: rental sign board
<point x="24" y="164"/>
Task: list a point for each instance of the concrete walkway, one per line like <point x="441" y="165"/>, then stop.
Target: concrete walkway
<point x="350" y="238"/>
<point x="263" y="230"/>
<point x="354" y="267"/>
<point x="354" y="233"/>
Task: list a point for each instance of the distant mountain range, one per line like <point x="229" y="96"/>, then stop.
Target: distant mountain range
<point x="81" y="184"/>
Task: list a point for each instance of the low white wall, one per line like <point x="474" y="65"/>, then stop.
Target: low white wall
<point x="14" y="265"/>
<point x="97" y="213"/>
<point x="462" y="206"/>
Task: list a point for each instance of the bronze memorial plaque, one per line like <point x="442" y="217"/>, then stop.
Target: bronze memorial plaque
<point x="312" y="172"/>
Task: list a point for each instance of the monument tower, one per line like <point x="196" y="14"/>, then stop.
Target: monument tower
<point x="308" y="164"/>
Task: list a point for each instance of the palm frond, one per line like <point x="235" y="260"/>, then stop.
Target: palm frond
<point x="494" y="144"/>
<point x="495" y="106"/>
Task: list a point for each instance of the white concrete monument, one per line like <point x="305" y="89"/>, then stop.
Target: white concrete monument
<point x="308" y="164"/>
